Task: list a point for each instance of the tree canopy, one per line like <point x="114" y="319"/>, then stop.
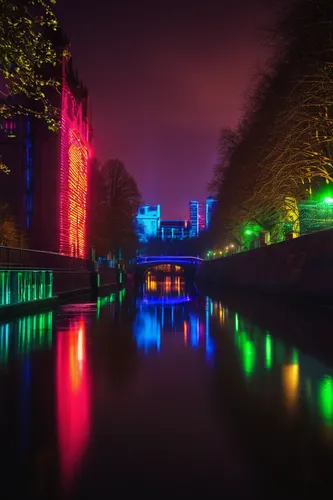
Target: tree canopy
<point x="9" y="232"/>
<point x="281" y="150"/>
<point x="27" y="56"/>
<point x="117" y="201"/>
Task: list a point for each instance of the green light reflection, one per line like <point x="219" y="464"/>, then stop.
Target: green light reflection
<point x="249" y="357"/>
<point x="121" y="295"/>
<point x="294" y="357"/>
<point x="25" y="335"/>
<point x="248" y="352"/>
<point x="236" y="322"/>
<point x="268" y="352"/>
<point x="326" y="399"/>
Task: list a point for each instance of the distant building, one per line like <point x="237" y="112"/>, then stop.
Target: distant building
<point x="202" y="218"/>
<point x="173" y="230"/>
<point x="210" y="207"/>
<point x="148" y="222"/>
<point x="47" y="187"/>
<point x="194" y="219"/>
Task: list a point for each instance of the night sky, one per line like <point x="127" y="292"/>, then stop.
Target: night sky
<point x="163" y="80"/>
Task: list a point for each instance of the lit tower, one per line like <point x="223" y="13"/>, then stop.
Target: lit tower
<point x="210" y="207"/>
<point x="194" y="219"/>
<point x="202" y="218"/>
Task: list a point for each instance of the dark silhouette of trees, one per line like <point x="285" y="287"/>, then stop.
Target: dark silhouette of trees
<point x="116" y="205"/>
<point x="10" y="235"/>
<point x="281" y="150"/>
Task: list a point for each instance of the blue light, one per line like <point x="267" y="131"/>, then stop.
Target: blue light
<point x="165" y="259"/>
<point x="164" y="301"/>
<point x="194" y="322"/>
<point x="210" y="348"/>
<point x="147" y="330"/>
<point x="210" y="343"/>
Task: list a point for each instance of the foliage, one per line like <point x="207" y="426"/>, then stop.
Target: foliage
<point x="283" y="147"/>
<point x="117" y="206"/>
<point x="9" y="232"/>
<point x="27" y="56"/>
<point x="228" y="142"/>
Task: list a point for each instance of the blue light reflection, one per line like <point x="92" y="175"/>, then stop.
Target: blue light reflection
<point x="147" y="330"/>
<point x="168" y="309"/>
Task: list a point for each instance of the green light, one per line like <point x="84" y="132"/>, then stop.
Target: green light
<point x="249" y="357"/>
<point x="326" y="399"/>
<point x="4" y="334"/>
<point x="268" y="352"/>
<point x="328" y="200"/>
<point x="247" y="351"/>
<point x="248" y="231"/>
<point x="22" y="286"/>
<point x="294" y="357"/>
<point x="236" y="322"/>
<point x="27" y="334"/>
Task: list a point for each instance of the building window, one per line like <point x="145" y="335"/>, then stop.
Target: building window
<point x="10" y="128"/>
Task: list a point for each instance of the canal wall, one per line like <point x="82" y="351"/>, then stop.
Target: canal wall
<point x="300" y="268"/>
<point x="25" y="290"/>
<point x="69" y="283"/>
<point x="30" y="291"/>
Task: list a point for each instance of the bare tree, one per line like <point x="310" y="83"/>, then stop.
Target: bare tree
<point x="284" y="147"/>
<point x="118" y="202"/>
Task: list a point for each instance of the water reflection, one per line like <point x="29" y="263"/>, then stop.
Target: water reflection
<point x="299" y="376"/>
<point x="26" y="334"/>
<point x="167" y="305"/>
<point x="165" y="381"/>
<point x="73" y="396"/>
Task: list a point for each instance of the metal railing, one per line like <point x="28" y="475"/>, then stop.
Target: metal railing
<point x="165" y="259"/>
<point x="37" y="259"/>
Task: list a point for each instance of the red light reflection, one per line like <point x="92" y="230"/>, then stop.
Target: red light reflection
<point x="73" y="398"/>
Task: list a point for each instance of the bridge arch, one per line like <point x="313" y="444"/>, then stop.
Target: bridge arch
<point x="188" y="264"/>
<point x="165" y="268"/>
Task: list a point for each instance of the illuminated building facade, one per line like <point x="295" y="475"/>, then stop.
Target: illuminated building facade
<point x="148" y="222"/>
<point x="173" y="230"/>
<point x="194" y="219"/>
<point x="74" y="157"/>
<point x="210" y="207"/>
<point x="46" y="190"/>
<point x="202" y="218"/>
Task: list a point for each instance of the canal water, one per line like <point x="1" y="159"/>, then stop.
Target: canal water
<point x="162" y="391"/>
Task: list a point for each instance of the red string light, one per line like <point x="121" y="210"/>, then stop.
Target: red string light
<point x="73" y="179"/>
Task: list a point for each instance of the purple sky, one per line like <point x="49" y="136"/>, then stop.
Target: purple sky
<point x="163" y="80"/>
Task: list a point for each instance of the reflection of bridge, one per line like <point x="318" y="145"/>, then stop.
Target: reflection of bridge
<point x="188" y="263"/>
<point x="163" y="301"/>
